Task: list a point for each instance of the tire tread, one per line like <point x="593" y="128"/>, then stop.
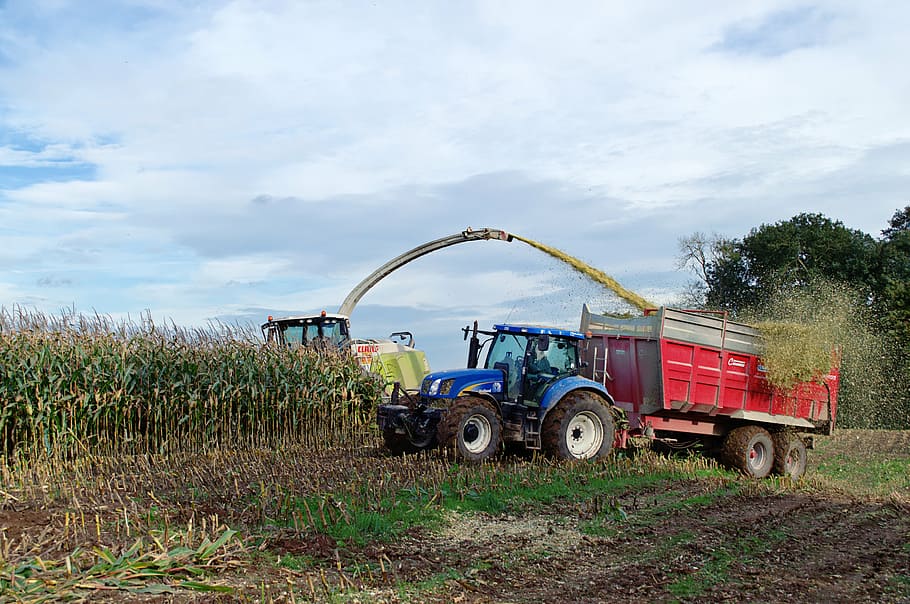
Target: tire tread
<point x="447" y="430"/>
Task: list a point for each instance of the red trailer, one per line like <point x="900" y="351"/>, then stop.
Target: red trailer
<point x="686" y="376"/>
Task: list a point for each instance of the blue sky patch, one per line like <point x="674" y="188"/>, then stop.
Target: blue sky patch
<point x="777" y="34"/>
<point x="16" y="177"/>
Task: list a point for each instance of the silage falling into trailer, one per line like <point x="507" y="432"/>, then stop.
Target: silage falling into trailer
<point x="470" y="234"/>
<point x="592" y="273"/>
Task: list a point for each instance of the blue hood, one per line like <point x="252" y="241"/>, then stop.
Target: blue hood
<point x="477" y="380"/>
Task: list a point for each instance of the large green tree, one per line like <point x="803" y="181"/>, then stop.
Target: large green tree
<point x="893" y="291"/>
<point x="788" y="254"/>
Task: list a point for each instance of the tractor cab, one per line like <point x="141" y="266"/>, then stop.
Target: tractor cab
<point x="325" y="331"/>
<point x="523" y="363"/>
<point x="531" y="359"/>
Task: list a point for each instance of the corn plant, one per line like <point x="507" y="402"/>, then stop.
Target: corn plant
<point x="73" y="383"/>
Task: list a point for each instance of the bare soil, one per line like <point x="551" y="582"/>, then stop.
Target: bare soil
<point x="705" y="539"/>
<point x="775" y="544"/>
<point x="831" y="551"/>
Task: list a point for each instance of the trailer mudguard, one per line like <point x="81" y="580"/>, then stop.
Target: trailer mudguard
<point x="566" y="385"/>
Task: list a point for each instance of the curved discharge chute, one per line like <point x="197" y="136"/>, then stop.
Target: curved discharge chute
<point x="376" y="276"/>
<point x="470" y="234"/>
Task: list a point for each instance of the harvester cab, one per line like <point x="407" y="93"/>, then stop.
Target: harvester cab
<point x="393" y="360"/>
<point x="325" y="330"/>
<point x="528" y="391"/>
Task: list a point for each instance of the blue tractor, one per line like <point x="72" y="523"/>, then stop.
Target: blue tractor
<point x="527" y="392"/>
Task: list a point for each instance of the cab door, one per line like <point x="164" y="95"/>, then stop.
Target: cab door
<point x="548" y="360"/>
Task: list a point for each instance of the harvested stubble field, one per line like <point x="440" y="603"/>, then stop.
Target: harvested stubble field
<point x="155" y="465"/>
<point x="350" y="524"/>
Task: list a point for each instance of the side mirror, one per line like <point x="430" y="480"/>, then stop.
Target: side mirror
<point x="543" y="342"/>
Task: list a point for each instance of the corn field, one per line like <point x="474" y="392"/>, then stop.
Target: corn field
<point x="72" y="384"/>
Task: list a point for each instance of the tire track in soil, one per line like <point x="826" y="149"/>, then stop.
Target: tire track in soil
<point x="802" y="549"/>
<point x="834" y="552"/>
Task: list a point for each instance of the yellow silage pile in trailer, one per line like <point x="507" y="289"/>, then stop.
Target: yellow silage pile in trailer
<point x="795" y="352"/>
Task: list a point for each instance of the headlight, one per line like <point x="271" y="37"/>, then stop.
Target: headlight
<point x="434" y="387"/>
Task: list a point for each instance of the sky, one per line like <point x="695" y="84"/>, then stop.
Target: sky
<point x="228" y="160"/>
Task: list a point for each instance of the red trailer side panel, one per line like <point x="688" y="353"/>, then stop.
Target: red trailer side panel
<point x="709" y="371"/>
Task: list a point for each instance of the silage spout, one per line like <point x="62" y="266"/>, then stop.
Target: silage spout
<point x="376" y="276"/>
<point x="471" y="234"/>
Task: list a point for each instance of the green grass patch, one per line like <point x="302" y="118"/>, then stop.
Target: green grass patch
<point x="879" y="476"/>
<point x="898" y="586"/>
<point x="358" y="520"/>
<point x="671" y="544"/>
<point x="296" y="562"/>
<point x="409" y="592"/>
<point x="357" y="517"/>
<point x="614" y="519"/>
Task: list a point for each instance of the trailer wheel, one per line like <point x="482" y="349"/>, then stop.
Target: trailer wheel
<point x="401" y="444"/>
<point x="789" y="454"/>
<point x="579" y="427"/>
<point x="750" y="450"/>
<point x="471" y="429"/>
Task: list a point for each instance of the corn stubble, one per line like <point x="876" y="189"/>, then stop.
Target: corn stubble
<point x="72" y="385"/>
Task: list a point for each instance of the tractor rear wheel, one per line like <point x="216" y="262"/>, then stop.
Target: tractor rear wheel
<point x="750" y="450"/>
<point x="401" y="444"/>
<point x="789" y="454"/>
<point x="471" y="429"/>
<point x="579" y="427"/>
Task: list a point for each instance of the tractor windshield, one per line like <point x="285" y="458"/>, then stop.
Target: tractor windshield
<point x="508" y="352"/>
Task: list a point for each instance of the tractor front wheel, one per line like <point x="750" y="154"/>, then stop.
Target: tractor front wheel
<point x="789" y="454"/>
<point x="579" y="427"/>
<point x="750" y="450"/>
<point x="471" y="429"/>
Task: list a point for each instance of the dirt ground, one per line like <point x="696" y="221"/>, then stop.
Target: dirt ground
<point x="684" y="541"/>
<point x="829" y="551"/>
<point x="704" y="539"/>
<point x="827" y="545"/>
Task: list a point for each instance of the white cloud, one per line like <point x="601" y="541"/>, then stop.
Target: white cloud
<point x="606" y="129"/>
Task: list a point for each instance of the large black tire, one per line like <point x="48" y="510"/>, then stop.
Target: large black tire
<point x="579" y="427"/>
<point x="471" y="429"/>
<point x="750" y="450"/>
<point x="400" y="444"/>
<point x="789" y="454"/>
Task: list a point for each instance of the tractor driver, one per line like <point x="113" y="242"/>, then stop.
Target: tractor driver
<point x="538" y="363"/>
<point x="540" y="372"/>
